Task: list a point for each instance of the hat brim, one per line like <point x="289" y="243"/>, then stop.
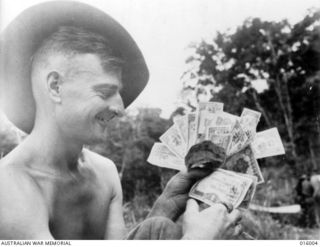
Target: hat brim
<point x="22" y="37"/>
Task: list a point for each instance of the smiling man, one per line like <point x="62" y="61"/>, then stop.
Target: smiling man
<point x="76" y="83"/>
<point x="66" y="70"/>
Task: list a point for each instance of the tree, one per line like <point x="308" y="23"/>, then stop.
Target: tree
<point x="272" y="67"/>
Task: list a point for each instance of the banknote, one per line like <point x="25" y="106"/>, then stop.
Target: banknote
<point x="205" y="108"/>
<point x="173" y="140"/>
<point x="225" y="118"/>
<point x="219" y="135"/>
<point x="250" y="193"/>
<point x="244" y="162"/>
<point x="219" y="130"/>
<point x="267" y="143"/>
<point x="182" y="124"/>
<point x="192" y="134"/>
<point x="210" y="120"/>
<point x="249" y="120"/>
<point x="161" y="156"/>
<point x="222" y="186"/>
<point x="238" y="139"/>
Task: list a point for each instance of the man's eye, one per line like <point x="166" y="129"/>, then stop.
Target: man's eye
<point x="103" y="96"/>
<point x="106" y="95"/>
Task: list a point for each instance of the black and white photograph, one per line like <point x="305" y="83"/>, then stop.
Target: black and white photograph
<point x="159" y="120"/>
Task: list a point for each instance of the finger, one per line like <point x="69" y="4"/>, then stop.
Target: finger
<point x="198" y="173"/>
<point x="188" y="178"/>
<point x="234" y="232"/>
<point x="235" y="217"/>
<point x="247" y="236"/>
<point x="192" y="206"/>
<point x="238" y="230"/>
<point x="218" y="207"/>
<point x="228" y="206"/>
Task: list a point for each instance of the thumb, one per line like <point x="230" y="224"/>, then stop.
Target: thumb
<point x="192" y="206"/>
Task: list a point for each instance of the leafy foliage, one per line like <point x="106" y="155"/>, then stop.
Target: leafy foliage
<point x="272" y="67"/>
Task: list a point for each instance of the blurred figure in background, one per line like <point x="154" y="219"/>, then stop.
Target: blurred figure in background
<point x="304" y="196"/>
<point x="315" y="182"/>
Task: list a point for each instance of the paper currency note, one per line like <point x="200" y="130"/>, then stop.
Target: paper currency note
<point x="267" y="143"/>
<point x="161" y="156"/>
<point x="224" y="118"/>
<point x="173" y="140"/>
<point x="250" y="193"/>
<point x="205" y="108"/>
<point x="219" y="130"/>
<point x="210" y="120"/>
<point x="221" y="186"/>
<point x="244" y="162"/>
<point x="192" y="134"/>
<point x="238" y="139"/>
<point x="219" y="135"/>
<point x="182" y="124"/>
<point x="249" y="120"/>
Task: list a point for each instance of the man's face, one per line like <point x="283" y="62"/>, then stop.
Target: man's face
<point x="89" y="100"/>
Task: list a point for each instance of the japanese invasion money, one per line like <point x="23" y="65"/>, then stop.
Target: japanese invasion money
<point x="224" y="186"/>
<point x="267" y="143"/>
<point x="205" y="109"/>
<point x="163" y="157"/>
<point x="235" y="147"/>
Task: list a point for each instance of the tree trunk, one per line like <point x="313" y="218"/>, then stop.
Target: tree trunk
<point x="260" y="108"/>
<point x="284" y="99"/>
<point x="314" y="148"/>
<point x="287" y="102"/>
<point x="287" y="115"/>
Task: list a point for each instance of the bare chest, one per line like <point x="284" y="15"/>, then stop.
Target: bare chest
<point x="79" y="210"/>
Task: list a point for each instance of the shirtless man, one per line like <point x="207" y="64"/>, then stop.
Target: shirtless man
<point x="50" y="186"/>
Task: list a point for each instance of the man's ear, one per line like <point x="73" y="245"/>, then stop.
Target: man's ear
<point x="54" y="81"/>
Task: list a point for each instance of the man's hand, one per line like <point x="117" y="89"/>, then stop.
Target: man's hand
<point x="213" y="222"/>
<point x="172" y="201"/>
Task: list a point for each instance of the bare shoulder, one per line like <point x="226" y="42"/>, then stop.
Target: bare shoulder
<point x="99" y="162"/>
<point x="21" y="206"/>
<point x="102" y="166"/>
<point x="14" y="184"/>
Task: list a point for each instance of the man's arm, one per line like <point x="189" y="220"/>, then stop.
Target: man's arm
<point x="115" y="227"/>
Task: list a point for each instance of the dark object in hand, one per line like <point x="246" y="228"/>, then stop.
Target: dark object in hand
<point x="205" y="155"/>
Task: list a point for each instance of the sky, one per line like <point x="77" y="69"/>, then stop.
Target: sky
<point x="163" y="29"/>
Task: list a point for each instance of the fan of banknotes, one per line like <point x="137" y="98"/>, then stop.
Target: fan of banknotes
<point x="234" y="180"/>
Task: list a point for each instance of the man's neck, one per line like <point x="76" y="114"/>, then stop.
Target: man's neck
<point x="47" y="149"/>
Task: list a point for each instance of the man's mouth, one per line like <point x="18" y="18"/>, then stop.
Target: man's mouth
<point x="104" y="118"/>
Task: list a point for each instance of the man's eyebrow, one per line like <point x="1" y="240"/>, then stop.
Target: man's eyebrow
<point x="101" y="87"/>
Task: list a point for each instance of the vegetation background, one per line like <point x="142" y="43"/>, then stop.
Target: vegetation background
<point x="271" y="67"/>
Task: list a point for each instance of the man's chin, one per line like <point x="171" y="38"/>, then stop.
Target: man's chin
<point x="98" y="138"/>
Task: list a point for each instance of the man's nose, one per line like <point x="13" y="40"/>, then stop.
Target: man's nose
<point x="117" y="105"/>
